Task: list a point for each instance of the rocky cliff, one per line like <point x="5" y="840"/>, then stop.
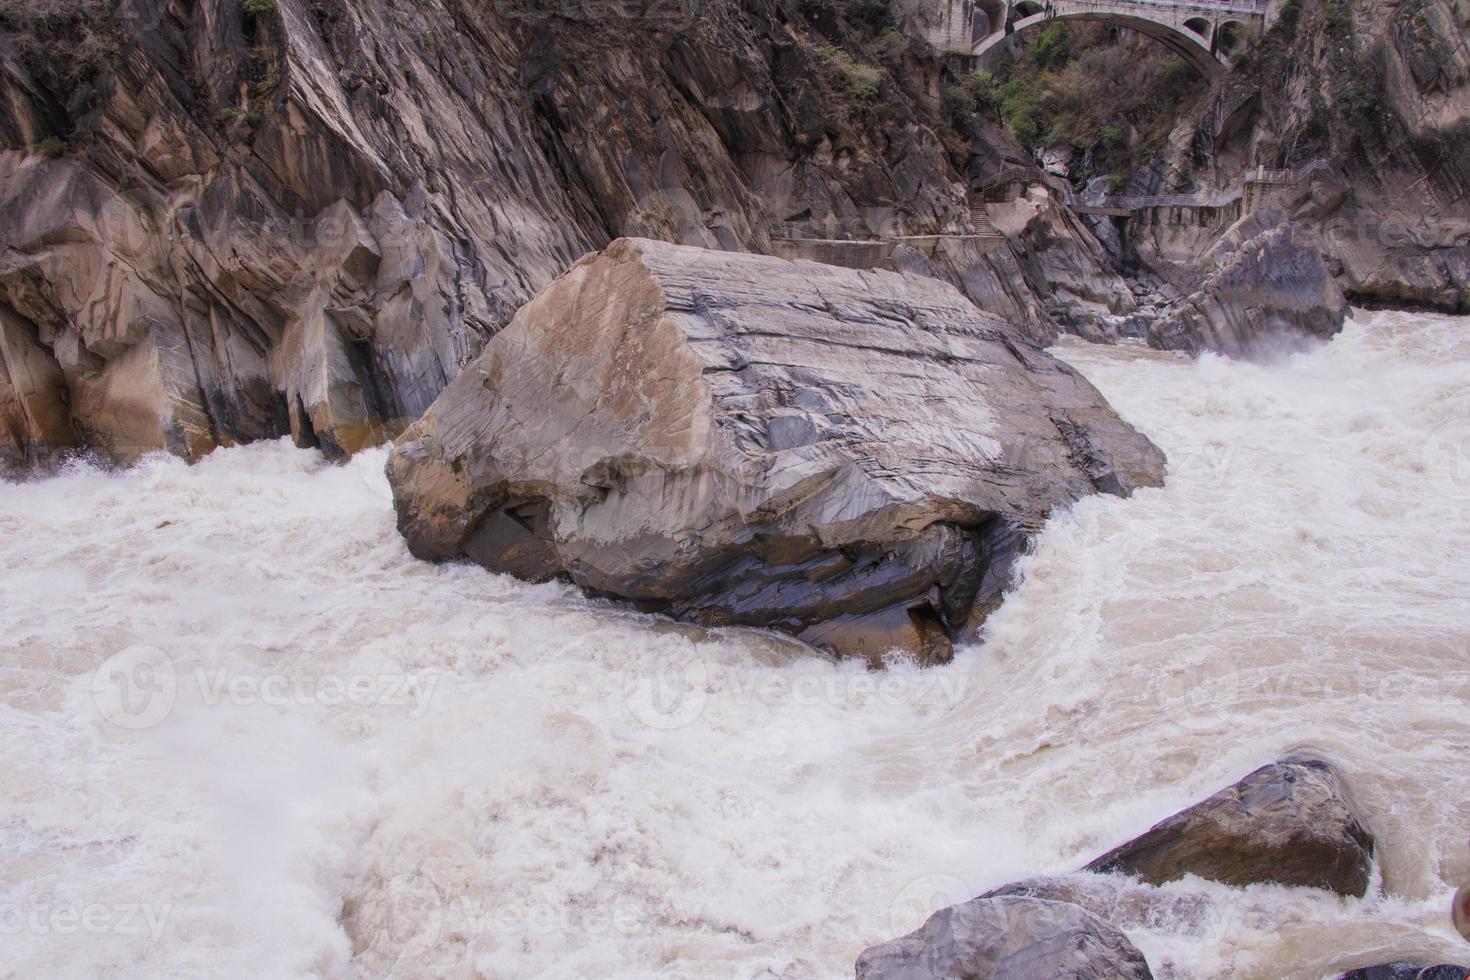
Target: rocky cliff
<point x="229" y="219"/>
<point x="223" y="220"/>
<point x="1368" y="104"/>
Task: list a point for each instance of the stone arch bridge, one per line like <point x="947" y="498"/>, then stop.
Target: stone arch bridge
<point x="1203" y="32"/>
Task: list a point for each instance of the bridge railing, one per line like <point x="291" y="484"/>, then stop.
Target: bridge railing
<point x="1227" y="6"/>
<point x="1261" y="175"/>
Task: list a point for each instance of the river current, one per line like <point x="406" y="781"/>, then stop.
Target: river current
<point x="244" y="733"/>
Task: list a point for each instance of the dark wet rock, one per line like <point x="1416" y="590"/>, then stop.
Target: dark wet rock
<point x="1008" y="938"/>
<point x="852" y="457"/>
<point x="1409" y="971"/>
<point x="1289" y="823"/>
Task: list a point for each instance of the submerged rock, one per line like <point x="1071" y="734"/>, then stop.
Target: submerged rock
<point x="852" y="457"/>
<point x="1289" y="823"/>
<point x="1009" y="938"/>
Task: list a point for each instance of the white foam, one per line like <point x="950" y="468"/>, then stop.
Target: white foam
<point x="370" y="765"/>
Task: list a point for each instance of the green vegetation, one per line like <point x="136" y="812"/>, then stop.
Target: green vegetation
<point x="1361" y="98"/>
<point x="862" y="79"/>
<point x="1288" y="16"/>
<point x="1337" y="17"/>
<point x="1051" y="47"/>
<point x="256" y="8"/>
<point x="1111" y="95"/>
<point x="61" y="42"/>
<point x="890" y="45"/>
<point x="1174" y="71"/>
<point x="236" y="113"/>
<point x="873" y="14"/>
<point x="50" y="147"/>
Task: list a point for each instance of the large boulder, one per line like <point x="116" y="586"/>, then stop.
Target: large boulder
<point x="1289" y="823"/>
<point x="1009" y="938"/>
<point x="854" y="457"/>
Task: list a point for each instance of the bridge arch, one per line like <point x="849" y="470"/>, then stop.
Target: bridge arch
<point x="1229" y="36"/>
<point x="1199" y="50"/>
<point x="1202" y="27"/>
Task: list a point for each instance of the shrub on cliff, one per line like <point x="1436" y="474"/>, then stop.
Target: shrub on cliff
<point x="862" y="80"/>
<point x="60" y="41"/>
<point x="1111" y="94"/>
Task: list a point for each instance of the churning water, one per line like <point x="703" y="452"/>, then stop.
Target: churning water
<point x="244" y="733"/>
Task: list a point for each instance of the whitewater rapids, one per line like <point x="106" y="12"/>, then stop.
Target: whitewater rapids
<point x="243" y="732"/>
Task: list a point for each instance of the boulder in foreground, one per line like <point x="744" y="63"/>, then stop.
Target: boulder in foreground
<point x="1289" y="823"/>
<point x="1409" y="971"/>
<point x="1009" y="938"/>
<point x="852" y="457"/>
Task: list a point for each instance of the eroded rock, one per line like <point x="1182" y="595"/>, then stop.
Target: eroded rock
<point x="852" y="457"/>
<point x="1290" y="823"/>
<point x="1267" y="291"/>
<point x="1008" y="938"/>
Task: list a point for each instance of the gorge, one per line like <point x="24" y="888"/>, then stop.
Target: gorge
<point x="755" y="488"/>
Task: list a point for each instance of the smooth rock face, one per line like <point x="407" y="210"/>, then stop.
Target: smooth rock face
<point x="1008" y="938"/>
<point x="852" y="457"/>
<point x="1288" y="823"/>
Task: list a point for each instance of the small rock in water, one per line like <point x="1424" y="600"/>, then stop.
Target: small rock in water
<point x="1009" y="938"/>
<point x="1289" y="823"/>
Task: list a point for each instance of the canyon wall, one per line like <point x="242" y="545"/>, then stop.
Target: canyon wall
<point x="1369" y="104"/>
<point x="222" y="221"/>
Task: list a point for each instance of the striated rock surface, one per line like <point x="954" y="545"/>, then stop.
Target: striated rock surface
<point x="223" y="221"/>
<point x="852" y="457"/>
<point x="1266" y="290"/>
<point x="1289" y="823"/>
<point x="1008" y="938"/>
